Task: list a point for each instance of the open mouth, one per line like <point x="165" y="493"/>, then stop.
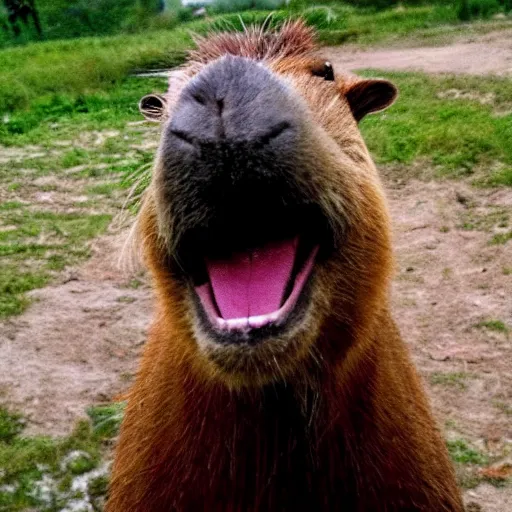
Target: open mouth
<point x="258" y="288"/>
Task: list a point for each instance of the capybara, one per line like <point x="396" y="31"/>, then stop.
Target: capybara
<point x="274" y="378"/>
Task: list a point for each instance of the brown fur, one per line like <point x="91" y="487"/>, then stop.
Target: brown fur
<point x="335" y="421"/>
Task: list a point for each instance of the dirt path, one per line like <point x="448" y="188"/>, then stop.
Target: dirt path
<point x="487" y="54"/>
<point x="450" y="288"/>
<point x="77" y="345"/>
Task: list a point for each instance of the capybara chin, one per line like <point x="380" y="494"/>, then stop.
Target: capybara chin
<point x="274" y="378"/>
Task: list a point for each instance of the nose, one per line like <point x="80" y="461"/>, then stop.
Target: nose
<point x="234" y="100"/>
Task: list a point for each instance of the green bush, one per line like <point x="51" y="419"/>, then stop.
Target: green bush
<point x="221" y="6"/>
<point x="324" y="17"/>
<point x="464" y="12"/>
<point x="479" y="8"/>
<point x="377" y="4"/>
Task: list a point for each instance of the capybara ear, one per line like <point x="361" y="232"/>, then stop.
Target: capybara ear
<point x="367" y="96"/>
<point x="152" y="107"/>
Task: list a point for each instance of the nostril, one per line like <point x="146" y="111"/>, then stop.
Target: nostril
<point x="199" y="99"/>
<point x="274" y="132"/>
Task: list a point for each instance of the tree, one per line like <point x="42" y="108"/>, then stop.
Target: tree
<point x="464" y="12"/>
<point x="21" y="11"/>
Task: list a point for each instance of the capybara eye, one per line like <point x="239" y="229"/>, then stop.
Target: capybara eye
<point x="326" y="71"/>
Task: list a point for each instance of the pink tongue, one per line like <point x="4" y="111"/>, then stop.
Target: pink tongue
<point x="252" y="283"/>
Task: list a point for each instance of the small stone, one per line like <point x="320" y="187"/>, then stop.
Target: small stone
<point x="461" y="198"/>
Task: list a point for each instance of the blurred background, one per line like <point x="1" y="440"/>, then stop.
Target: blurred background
<point x="76" y="155"/>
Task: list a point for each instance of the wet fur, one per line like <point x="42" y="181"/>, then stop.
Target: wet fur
<point x="332" y="417"/>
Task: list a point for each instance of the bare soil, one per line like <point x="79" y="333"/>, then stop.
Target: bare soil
<point x="449" y="280"/>
<point x="481" y="55"/>
<point x="79" y="343"/>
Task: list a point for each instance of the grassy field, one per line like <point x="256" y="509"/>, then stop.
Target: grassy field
<point x="71" y="136"/>
<point x="51" y="475"/>
<point x="79" y="149"/>
<point x="80" y="66"/>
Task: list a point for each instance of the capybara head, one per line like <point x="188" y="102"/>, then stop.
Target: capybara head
<point x="265" y="222"/>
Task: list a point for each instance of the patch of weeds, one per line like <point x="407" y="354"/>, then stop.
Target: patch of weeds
<point x="105" y="189"/>
<point x="106" y="419"/>
<point x="467" y="477"/>
<point x="447" y="272"/>
<point x="73" y="158"/>
<point x="98" y="486"/>
<point x="11" y="424"/>
<point x="503" y="406"/>
<point x="65" y="237"/>
<point x="498" y="178"/>
<point x="80" y="463"/>
<point x="462" y="453"/>
<point x="50" y="474"/>
<point x="10" y="205"/>
<point x="496" y="217"/>
<point x="72" y="227"/>
<point x="126" y="299"/>
<point x="14" y="283"/>
<point x="493" y="325"/>
<point x="135" y="284"/>
<point x="451" y="379"/>
<point x="507" y="271"/>
<point x="444" y="229"/>
<point x="13" y="187"/>
<point x="56" y="262"/>
<point x="501" y="238"/>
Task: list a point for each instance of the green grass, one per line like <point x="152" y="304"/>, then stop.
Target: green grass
<point x="15" y="282"/>
<point x="41" y="473"/>
<point x="65" y="115"/>
<point x="27" y="263"/>
<point x="39" y="240"/>
<point x="74" y="18"/>
<point x="462" y="453"/>
<point x="426" y="125"/>
<point x="504" y="407"/>
<point x="467" y="462"/>
<point x="38" y="244"/>
<point x="501" y="238"/>
<point x="452" y="379"/>
<point x="88" y="64"/>
<point x="391" y="24"/>
<point x="493" y="325"/>
<point x="81" y="66"/>
<point x="495" y="217"/>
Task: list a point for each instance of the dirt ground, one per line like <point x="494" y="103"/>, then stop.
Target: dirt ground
<point x="78" y="344"/>
<point x="476" y="55"/>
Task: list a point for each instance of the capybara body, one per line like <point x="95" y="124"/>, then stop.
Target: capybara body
<point x="274" y="378"/>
